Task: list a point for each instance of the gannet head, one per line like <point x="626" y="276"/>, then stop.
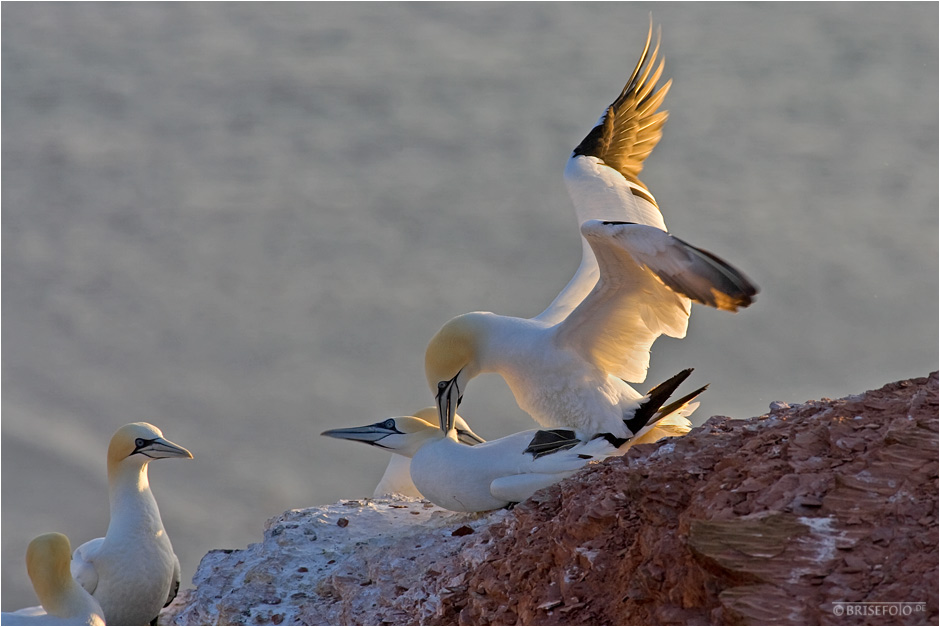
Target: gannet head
<point x="450" y="361"/>
<point x="47" y="561"/>
<point x="138" y="443"/>
<point x="403" y="435"/>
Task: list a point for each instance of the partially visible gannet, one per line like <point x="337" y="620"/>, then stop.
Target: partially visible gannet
<point x="132" y="571"/>
<point x="397" y="477"/>
<point x="569" y="366"/>
<point x="509" y="470"/>
<point x="63" y="601"/>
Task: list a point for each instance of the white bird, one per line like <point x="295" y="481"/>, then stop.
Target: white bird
<point x="569" y="366"/>
<point x="509" y="470"/>
<point x="132" y="571"/>
<point x="64" y="602"/>
<point x="397" y="477"/>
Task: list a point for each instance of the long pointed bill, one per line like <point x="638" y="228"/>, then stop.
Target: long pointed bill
<point x="370" y="434"/>
<point x="448" y="397"/>
<point x="466" y="436"/>
<point x="158" y="448"/>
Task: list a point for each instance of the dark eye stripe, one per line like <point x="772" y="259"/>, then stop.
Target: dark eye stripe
<point x="140" y="443"/>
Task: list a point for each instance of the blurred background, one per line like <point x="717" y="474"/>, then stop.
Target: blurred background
<point x="243" y="223"/>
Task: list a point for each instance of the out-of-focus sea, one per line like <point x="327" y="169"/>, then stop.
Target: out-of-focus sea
<point x="243" y="222"/>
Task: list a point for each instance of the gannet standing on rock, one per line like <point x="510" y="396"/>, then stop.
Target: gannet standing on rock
<point x="397" y="477"/>
<point x="569" y="366"/>
<point x="64" y="602"/>
<point x="509" y="470"/>
<point x="132" y="571"/>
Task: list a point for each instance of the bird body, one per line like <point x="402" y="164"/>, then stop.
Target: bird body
<point x="494" y="474"/>
<point x="132" y="571"/>
<point x="551" y="382"/>
<point x="63" y="600"/>
<point x="569" y="366"/>
<point x="397" y="478"/>
<point x="473" y="478"/>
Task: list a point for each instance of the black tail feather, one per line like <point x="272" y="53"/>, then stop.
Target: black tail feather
<point x="665" y="410"/>
<point x="656" y="397"/>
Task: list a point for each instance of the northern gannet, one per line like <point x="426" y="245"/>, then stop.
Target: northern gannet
<point x="132" y="571"/>
<point x="569" y="366"/>
<point x="397" y="477"/>
<point x="494" y="474"/>
<point x="64" y="602"/>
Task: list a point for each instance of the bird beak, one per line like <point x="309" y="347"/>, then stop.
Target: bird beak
<point x="370" y="434"/>
<point x="466" y="436"/>
<point x="448" y="397"/>
<point x="158" y="448"/>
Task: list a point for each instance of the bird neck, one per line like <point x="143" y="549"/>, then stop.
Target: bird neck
<point x="55" y="592"/>
<point x="132" y="502"/>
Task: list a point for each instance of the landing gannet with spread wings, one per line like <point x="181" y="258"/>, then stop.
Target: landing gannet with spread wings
<point x="384" y="435"/>
<point x="64" y="602"/>
<point x="569" y="366"/>
<point x="509" y="470"/>
<point x="132" y="571"/>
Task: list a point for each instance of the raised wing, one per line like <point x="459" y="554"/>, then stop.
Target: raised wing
<point x="631" y="126"/>
<point x="83" y="566"/>
<point x="647" y="281"/>
<point x="602" y="173"/>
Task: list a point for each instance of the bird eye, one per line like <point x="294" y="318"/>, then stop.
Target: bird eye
<point x="389" y="424"/>
<point x="140" y="442"/>
<point x="442" y="385"/>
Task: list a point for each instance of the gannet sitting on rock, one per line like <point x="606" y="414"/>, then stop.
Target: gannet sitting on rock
<point x="510" y="469"/>
<point x="397" y="477"/>
<point x="132" y="571"/>
<point x="569" y="366"/>
<point x="64" y="602"/>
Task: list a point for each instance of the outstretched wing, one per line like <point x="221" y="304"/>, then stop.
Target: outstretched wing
<point x="602" y="172"/>
<point x="647" y="281"/>
<point x="632" y="125"/>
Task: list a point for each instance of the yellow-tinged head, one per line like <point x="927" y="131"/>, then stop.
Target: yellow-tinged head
<point x="141" y="442"/>
<point x="450" y="361"/>
<point x="403" y="434"/>
<point x="452" y="349"/>
<point x="47" y="561"/>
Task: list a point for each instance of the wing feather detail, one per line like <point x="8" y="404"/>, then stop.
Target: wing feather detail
<point x="648" y="279"/>
<point x="631" y="126"/>
<point x="602" y="174"/>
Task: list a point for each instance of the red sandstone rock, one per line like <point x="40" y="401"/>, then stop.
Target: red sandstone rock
<point x="781" y="519"/>
<point x="773" y="520"/>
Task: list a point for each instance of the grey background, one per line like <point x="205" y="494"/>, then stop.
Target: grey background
<point x="242" y="223"/>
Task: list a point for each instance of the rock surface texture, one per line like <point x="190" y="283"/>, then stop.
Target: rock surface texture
<point x="794" y="517"/>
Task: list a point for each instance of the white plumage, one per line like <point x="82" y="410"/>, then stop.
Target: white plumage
<point x="132" y="571"/>
<point x="494" y="474"/>
<point x="397" y="477"/>
<point x="63" y="601"/>
<point x="568" y="366"/>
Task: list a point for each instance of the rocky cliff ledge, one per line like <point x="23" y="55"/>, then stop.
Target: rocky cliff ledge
<point x="786" y="518"/>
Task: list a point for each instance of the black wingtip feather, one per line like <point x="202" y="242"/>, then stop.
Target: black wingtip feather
<point x="548" y="441"/>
